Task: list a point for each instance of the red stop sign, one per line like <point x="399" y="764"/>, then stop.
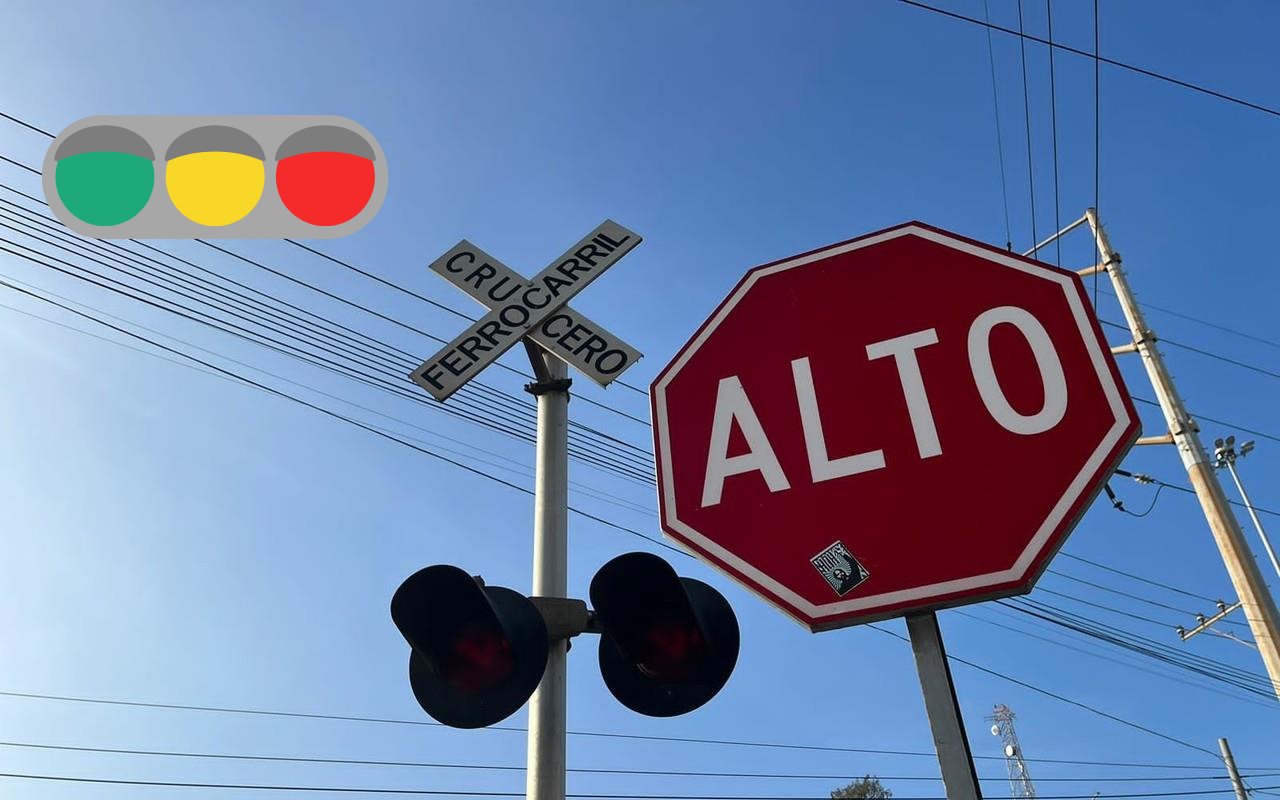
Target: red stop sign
<point x="904" y="421"/>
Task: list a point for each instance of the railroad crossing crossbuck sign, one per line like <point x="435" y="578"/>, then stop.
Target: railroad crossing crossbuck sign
<point x="902" y="422"/>
<point x="536" y="308"/>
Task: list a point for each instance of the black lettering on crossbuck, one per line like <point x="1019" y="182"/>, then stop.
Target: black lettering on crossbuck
<point x="535" y="307"/>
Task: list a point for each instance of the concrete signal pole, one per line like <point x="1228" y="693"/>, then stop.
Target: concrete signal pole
<point x="545" y="779"/>
<point x="1259" y="607"/>
<point x="1236" y="782"/>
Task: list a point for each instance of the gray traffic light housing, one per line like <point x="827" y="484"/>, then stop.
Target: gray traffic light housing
<point x="668" y="644"/>
<point x="478" y="652"/>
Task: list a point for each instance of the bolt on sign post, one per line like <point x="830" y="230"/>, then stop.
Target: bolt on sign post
<point x="889" y="426"/>
<point x="233" y="177"/>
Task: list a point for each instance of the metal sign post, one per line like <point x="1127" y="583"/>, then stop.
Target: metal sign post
<point x="535" y="311"/>
<point x="954" y="756"/>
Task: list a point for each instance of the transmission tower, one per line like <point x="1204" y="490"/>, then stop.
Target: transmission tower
<point x="1019" y="778"/>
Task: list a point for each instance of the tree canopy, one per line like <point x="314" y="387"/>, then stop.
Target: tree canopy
<point x="865" y="787"/>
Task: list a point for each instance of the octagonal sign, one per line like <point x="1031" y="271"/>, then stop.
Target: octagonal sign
<point x="906" y="421"/>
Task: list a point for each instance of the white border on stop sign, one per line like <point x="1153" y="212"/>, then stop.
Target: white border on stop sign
<point x="821" y="614"/>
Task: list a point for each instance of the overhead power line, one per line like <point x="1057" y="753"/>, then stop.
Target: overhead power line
<point x="335" y="415"/>
<point x="612" y="409"/>
<point x="1061" y="698"/>
<point x="56" y="228"/>
<point x="1026" y="112"/>
<point x="995" y="103"/>
<point x="640" y="420"/>
<point x="1148" y="581"/>
<point x="492" y="411"/>
<point x="508" y="484"/>
<point x="588" y="770"/>
<point x="390" y="362"/>
<point x="393" y="285"/>
<point x="388" y="437"/>
<point x="590" y="734"/>
<point x="1053" y="111"/>
<point x="1100" y="58"/>
<point x="334" y="259"/>
<point x="1156" y="670"/>
<point x="1112" y="609"/>
<point x="1218" y="356"/>
<point x="1097" y="131"/>
<point x="1189" y="490"/>
<point x="1121" y="592"/>
<point x="522" y="767"/>
<point x="475" y="793"/>
<point x="371" y="429"/>
<point x="1182" y="659"/>
<point x="1207" y="323"/>
<point x="1200" y="351"/>
<point x="645" y="466"/>
<point x="487" y="457"/>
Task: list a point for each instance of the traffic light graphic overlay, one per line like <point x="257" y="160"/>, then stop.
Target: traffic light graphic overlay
<point x="229" y="176"/>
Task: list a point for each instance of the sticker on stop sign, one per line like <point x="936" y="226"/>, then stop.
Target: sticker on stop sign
<point x="905" y="421"/>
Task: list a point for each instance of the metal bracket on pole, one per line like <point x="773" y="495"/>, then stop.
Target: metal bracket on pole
<point x="1166" y="438"/>
<point x="1032" y="252"/>
<point x="566" y="617"/>
<point x="544" y="382"/>
<point x="958" y="774"/>
<point x="536" y="360"/>
<point x="1121" y="349"/>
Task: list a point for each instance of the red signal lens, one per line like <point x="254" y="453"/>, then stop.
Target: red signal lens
<point x="478" y="659"/>
<point x="672" y="650"/>
<point x="325" y="188"/>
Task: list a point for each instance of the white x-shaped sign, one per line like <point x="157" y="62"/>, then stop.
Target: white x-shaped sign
<point x="536" y="308"/>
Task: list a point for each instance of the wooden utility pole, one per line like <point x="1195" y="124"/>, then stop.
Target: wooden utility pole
<point x="1259" y="607"/>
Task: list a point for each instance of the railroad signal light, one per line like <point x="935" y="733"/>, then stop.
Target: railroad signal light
<point x="668" y="644"/>
<point x="478" y="652"/>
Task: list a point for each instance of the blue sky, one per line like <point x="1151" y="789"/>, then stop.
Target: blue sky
<point x="172" y="537"/>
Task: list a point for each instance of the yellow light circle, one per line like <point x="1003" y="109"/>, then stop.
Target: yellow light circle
<point x="215" y="188"/>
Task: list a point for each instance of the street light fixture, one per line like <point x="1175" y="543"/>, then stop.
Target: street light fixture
<point x="1225" y="456"/>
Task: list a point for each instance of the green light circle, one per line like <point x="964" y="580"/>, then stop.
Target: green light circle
<point x="104" y="188"/>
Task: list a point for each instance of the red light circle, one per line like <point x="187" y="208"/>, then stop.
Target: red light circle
<point x="325" y="188"/>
